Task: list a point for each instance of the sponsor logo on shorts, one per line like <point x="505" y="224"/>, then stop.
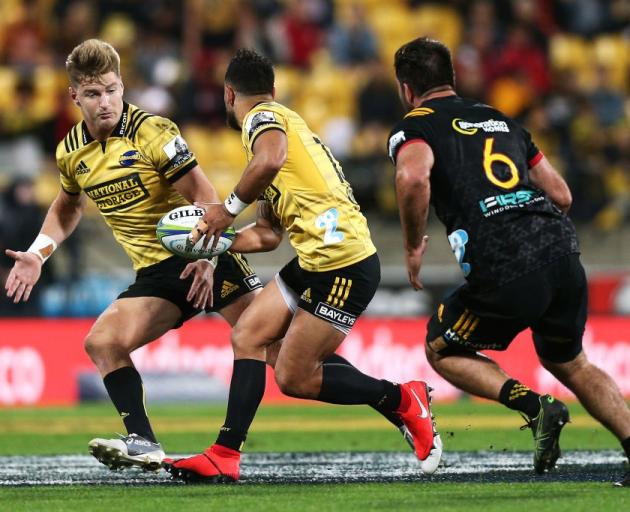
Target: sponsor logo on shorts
<point x="334" y="315"/>
<point x="306" y="296"/>
<point x="453" y="337"/>
<point x="253" y="282"/>
<point x="227" y="288"/>
<point x="118" y="194"/>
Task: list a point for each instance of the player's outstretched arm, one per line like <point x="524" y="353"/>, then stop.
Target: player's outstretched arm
<point x="270" y="153"/>
<point x="413" y="191"/>
<point x="61" y="220"/>
<point x="545" y="177"/>
<point x="262" y="236"/>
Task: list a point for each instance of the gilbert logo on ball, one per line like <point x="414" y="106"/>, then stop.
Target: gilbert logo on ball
<point x="173" y="230"/>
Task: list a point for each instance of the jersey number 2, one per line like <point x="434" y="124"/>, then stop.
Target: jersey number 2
<point x="328" y="221"/>
<point x="490" y="158"/>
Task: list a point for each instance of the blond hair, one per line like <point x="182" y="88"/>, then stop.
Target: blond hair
<point x="91" y="59"/>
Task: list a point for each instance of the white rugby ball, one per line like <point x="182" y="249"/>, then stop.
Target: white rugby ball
<point x="173" y="230"/>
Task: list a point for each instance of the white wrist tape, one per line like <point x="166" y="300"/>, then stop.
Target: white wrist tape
<point x="43" y="246"/>
<point x="213" y="261"/>
<point x="234" y="205"/>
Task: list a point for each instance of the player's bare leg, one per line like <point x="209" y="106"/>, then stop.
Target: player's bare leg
<point x="471" y="372"/>
<point x="479" y="375"/>
<point x="126" y="325"/>
<point x="599" y="395"/>
<point x="301" y="372"/>
<point x="260" y="325"/>
<point x="596" y="391"/>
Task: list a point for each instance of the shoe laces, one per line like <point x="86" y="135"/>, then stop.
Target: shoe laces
<point x="529" y="422"/>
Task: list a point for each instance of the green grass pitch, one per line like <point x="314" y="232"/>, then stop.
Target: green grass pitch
<point x="465" y="426"/>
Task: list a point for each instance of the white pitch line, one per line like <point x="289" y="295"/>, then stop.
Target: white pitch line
<point x="323" y="467"/>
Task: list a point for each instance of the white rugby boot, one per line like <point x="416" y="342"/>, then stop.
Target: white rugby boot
<point x="128" y="451"/>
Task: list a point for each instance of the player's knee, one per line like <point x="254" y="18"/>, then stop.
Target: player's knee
<point x="290" y="382"/>
<point x="102" y="345"/>
<point x="246" y="341"/>
<point x="566" y="369"/>
<point x="240" y="339"/>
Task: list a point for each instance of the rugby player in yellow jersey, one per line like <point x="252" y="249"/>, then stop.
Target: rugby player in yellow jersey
<point x="313" y="302"/>
<point x="136" y="167"/>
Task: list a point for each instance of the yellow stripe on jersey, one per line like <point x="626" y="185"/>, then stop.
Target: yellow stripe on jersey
<point x="129" y="177"/>
<point x="310" y="194"/>
<point x="420" y="111"/>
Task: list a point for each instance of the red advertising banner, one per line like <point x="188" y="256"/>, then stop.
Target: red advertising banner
<point x="40" y="360"/>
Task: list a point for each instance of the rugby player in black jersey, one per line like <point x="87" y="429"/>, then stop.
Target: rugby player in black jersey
<point x="505" y="211"/>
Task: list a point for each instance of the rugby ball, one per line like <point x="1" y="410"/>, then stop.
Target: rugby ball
<point x="173" y="230"/>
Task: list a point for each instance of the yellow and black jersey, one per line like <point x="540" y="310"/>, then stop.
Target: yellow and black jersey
<point x="129" y="177"/>
<point x="309" y="194"/>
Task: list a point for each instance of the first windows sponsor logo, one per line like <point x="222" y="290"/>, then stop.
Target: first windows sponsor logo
<point x="498" y="204"/>
<point x="118" y="194"/>
<point x="334" y="315"/>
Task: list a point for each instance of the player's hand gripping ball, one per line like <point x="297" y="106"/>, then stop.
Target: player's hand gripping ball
<point x="174" y="228"/>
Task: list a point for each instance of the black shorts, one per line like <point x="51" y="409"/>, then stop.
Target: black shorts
<point x="233" y="278"/>
<point x="338" y="296"/>
<point x="552" y="301"/>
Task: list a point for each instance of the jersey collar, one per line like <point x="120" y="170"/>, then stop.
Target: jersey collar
<point x="118" y="131"/>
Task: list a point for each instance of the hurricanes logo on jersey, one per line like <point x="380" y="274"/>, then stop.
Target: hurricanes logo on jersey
<point x="128" y="158"/>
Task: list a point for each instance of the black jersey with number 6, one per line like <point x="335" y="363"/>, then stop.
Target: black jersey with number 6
<point x="500" y="226"/>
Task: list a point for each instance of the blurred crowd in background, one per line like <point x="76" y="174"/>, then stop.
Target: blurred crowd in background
<point x="562" y="67"/>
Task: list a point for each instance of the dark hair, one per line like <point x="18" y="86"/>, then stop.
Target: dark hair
<point x="250" y="73"/>
<point x="424" y="64"/>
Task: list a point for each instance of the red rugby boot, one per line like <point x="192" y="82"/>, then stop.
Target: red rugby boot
<point x="216" y="464"/>
<point x="415" y="411"/>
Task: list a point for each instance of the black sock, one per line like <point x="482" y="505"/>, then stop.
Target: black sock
<point x="246" y="391"/>
<point x="519" y="397"/>
<point x="626" y="447"/>
<point x="389" y="414"/>
<point x="127" y="393"/>
<point x="343" y="384"/>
